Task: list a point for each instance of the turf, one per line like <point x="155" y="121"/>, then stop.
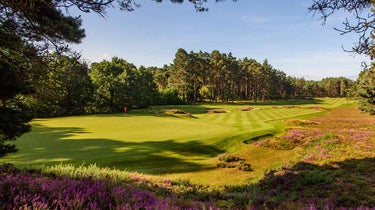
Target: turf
<point x="174" y="145"/>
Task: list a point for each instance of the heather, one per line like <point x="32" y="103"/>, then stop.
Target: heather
<point x="336" y="166"/>
<point x="29" y="189"/>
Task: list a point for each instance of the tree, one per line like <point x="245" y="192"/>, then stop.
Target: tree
<point x="364" y="26"/>
<point x="180" y="72"/>
<point x="13" y="115"/>
<point x="65" y="89"/>
<point x="366" y="90"/>
<point x="145" y="89"/>
<point x="112" y="82"/>
<point x="29" y="30"/>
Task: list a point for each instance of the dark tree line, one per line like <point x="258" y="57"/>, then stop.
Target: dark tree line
<point x="221" y="77"/>
<point x="68" y="87"/>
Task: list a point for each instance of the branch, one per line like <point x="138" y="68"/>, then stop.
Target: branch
<point x="363" y="26"/>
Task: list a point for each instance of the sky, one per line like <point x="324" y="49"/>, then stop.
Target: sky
<point x="284" y="32"/>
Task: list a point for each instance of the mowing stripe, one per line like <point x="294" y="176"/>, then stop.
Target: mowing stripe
<point x="232" y="119"/>
<point x="259" y="117"/>
<point x="225" y="118"/>
<point x="218" y="117"/>
<point x="253" y="120"/>
<point x="245" y="121"/>
<point x="209" y="117"/>
<point x="267" y="115"/>
<point x="287" y="112"/>
<point x="276" y="115"/>
<point x="238" y="119"/>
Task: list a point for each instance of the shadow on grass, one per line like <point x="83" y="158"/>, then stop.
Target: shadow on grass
<point x="202" y="108"/>
<point x="159" y="111"/>
<point x="284" y="102"/>
<point x="349" y="184"/>
<point x="47" y="145"/>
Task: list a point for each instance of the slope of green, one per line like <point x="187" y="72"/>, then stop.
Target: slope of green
<point x="175" y="145"/>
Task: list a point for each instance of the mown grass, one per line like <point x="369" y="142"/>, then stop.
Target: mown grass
<point x="323" y="162"/>
<point x="169" y="145"/>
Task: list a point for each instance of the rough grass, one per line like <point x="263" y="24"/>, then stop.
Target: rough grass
<point x="151" y="142"/>
<point x="335" y="169"/>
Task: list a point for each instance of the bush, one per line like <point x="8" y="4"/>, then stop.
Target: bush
<point x="228" y="158"/>
<point x="232" y="161"/>
<point x="169" y="97"/>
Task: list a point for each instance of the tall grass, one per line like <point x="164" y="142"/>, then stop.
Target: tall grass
<point x="82" y="171"/>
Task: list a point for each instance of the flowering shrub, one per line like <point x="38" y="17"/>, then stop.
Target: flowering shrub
<point x="30" y="190"/>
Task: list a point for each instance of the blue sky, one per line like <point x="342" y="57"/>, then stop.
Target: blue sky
<point x="282" y="31"/>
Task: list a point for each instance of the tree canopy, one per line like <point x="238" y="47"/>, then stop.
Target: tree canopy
<point x="29" y="31"/>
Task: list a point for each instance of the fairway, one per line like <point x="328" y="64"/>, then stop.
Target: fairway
<point x="152" y="142"/>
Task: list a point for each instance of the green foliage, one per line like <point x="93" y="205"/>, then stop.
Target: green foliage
<point x="119" y="83"/>
<point x="14" y="115"/>
<point x="65" y="89"/>
<point x="219" y="76"/>
<point x="13" y="123"/>
<point x="366" y="90"/>
<point x="169" y="97"/>
<point x="28" y="29"/>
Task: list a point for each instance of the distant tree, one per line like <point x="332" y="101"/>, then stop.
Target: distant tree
<point x="160" y="76"/>
<point x="179" y="74"/>
<point x="65" y="89"/>
<point x="113" y="81"/>
<point x="366" y="90"/>
<point x="145" y="89"/>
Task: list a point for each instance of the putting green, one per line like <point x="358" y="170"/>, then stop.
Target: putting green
<point x="152" y="142"/>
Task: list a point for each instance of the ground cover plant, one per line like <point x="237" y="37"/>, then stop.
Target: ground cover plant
<point x="28" y="189"/>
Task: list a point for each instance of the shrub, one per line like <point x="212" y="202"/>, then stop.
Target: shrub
<point x="245" y="166"/>
<point x="228" y="158"/>
<point x="22" y="189"/>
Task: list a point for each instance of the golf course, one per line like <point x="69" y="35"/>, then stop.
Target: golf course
<point x="160" y="141"/>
